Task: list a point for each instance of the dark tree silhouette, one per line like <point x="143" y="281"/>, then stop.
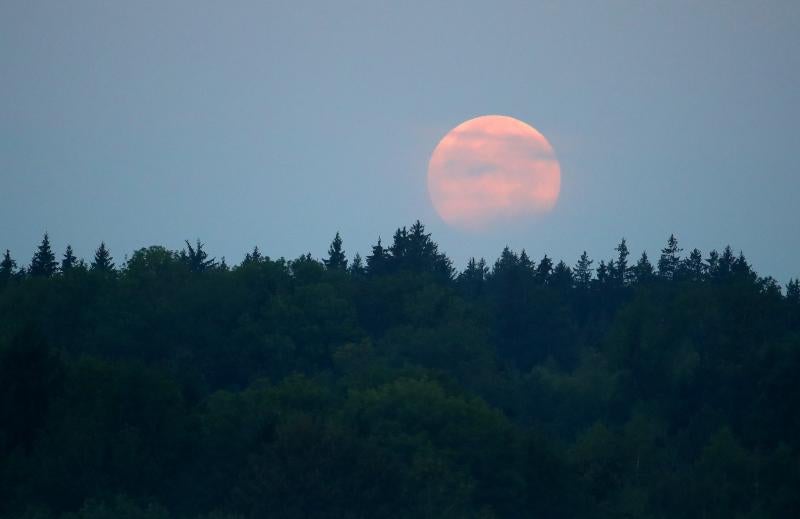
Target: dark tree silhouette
<point x="69" y="261"/>
<point x="7" y="267"/>
<point x="357" y="266"/>
<point x="336" y="256"/>
<point x="618" y="270"/>
<point x="196" y="257"/>
<point x="643" y="270"/>
<point x="670" y="259"/>
<point x="583" y="271"/>
<point x="103" y="262"/>
<point x="377" y="262"/>
<point x="44" y="262"/>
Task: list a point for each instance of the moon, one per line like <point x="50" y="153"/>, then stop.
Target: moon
<point x="492" y="169"/>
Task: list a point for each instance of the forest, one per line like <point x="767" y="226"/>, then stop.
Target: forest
<point x="174" y="385"/>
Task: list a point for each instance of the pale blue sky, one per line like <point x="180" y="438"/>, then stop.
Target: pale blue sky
<point x="246" y="123"/>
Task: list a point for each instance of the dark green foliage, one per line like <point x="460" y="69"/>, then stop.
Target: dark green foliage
<point x="44" y="262"/>
<point x="307" y="388"/>
<point x="669" y="261"/>
<point x="69" y="261"/>
<point x="336" y="256"/>
<point x="103" y="263"/>
<point x="8" y="268"/>
<point x="196" y="258"/>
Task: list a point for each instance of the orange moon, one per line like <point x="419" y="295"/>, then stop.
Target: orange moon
<point x="492" y="169"/>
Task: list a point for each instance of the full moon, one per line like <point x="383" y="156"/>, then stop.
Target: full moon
<point x="492" y="169"/>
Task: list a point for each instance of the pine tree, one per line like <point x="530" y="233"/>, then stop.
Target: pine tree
<point x="69" y="261"/>
<point x="196" y="258"/>
<point x="793" y="292"/>
<point x="103" y="262"/>
<point x="562" y="276"/>
<point x="357" y="266"/>
<point x="336" y="256"/>
<point x="377" y="262"/>
<point x="618" y="270"/>
<point x="692" y="267"/>
<point x="7" y="267"/>
<point x="643" y="269"/>
<point x="712" y="265"/>
<point x="44" y="262"/>
<point x="253" y="258"/>
<point x="543" y="270"/>
<point x="602" y="274"/>
<point x="583" y="271"/>
<point x="670" y="259"/>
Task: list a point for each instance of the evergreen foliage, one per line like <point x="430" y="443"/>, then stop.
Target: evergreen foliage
<point x="178" y="388"/>
<point x="103" y="263"/>
<point x="44" y="262"/>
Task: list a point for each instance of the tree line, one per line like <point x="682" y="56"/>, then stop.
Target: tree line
<point x="175" y="385"/>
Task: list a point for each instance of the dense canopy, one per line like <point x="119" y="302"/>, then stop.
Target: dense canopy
<point x="173" y="385"/>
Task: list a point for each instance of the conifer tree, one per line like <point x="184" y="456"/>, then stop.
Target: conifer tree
<point x="69" y="261"/>
<point x="618" y="270"/>
<point x="670" y="259"/>
<point x="602" y="274"/>
<point x="357" y="266"/>
<point x="103" y="262"/>
<point x="378" y="260"/>
<point x="712" y="264"/>
<point x="44" y="262"/>
<point x="526" y="263"/>
<point x="336" y="256"/>
<point x="561" y="276"/>
<point x="583" y="271"/>
<point x="196" y="258"/>
<point x="253" y="257"/>
<point x="793" y="291"/>
<point x="643" y="269"/>
<point x="7" y="267"/>
<point x="543" y="270"/>
<point x="692" y="267"/>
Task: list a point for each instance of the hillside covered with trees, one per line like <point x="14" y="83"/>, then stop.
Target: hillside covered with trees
<point x="173" y="385"/>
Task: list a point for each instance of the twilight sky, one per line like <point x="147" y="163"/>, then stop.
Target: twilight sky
<point x="245" y="123"/>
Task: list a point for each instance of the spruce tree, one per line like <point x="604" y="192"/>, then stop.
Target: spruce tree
<point x="196" y="258"/>
<point x="618" y="270"/>
<point x="583" y="271"/>
<point x="562" y="276"/>
<point x="643" y="269"/>
<point x="7" y="267"/>
<point x="44" y="262"/>
<point x="69" y="261"/>
<point x="103" y="262"/>
<point x="692" y="267"/>
<point x="336" y="256"/>
<point x="377" y="262"/>
<point x="543" y="270"/>
<point x="253" y="258"/>
<point x="793" y="292"/>
<point x="357" y="266"/>
<point x="670" y="259"/>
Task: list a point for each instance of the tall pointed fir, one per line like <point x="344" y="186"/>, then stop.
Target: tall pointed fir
<point x="670" y="259"/>
<point x="69" y="261"/>
<point x="103" y="262"/>
<point x="253" y="258"/>
<point x="692" y="268"/>
<point x="618" y="270"/>
<point x="7" y="268"/>
<point x="356" y="268"/>
<point x="377" y="261"/>
<point x="583" y="271"/>
<point x="44" y="262"/>
<point x="336" y="256"/>
<point x="643" y="269"/>
<point x="196" y="258"/>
